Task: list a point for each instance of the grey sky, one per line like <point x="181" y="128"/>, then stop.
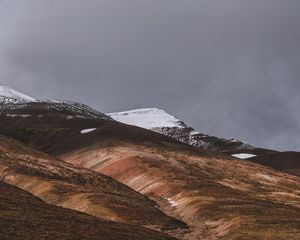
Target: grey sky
<point x="230" y="68"/>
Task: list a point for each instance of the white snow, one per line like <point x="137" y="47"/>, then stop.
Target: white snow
<point x="192" y="133"/>
<point x="7" y="92"/>
<point x="148" y="118"/>
<point x="18" y="115"/>
<point x="172" y="202"/>
<point x="243" y="155"/>
<point x="84" y="131"/>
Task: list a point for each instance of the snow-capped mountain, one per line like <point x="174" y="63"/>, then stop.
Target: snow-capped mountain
<point x="8" y="95"/>
<point x="18" y="105"/>
<point x="162" y="122"/>
<point x="15" y="105"/>
<point x="149" y="118"/>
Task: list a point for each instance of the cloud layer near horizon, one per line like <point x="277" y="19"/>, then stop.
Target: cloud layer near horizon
<point x="229" y="68"/>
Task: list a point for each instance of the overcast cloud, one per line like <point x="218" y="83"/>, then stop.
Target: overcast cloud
<point x="230" y="68"/>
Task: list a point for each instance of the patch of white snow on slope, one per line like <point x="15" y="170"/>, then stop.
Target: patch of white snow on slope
<point x="84" y="131"/>
<point x="148" y="118"/>
<point x="7" y="92"/>
<point x="172" y="202"/>
<point x="243" y="155"/>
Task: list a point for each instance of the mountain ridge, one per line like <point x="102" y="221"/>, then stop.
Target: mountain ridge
<point x="8" y="94"/>
<point x="160" y="121"/>
<point x="153" y="119"/>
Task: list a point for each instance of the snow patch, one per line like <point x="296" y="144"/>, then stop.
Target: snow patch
<point x="148" y="118"/>
<point x="192" y="133"/>
<point x="18" y="115"/>
<point x="84" y="131"/>
<point x="172" y="202"/>
<point x="7" y="92"/>
<point x="243" y="155"/>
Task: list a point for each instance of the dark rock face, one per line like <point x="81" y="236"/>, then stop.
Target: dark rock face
<point x="199" y="140"/>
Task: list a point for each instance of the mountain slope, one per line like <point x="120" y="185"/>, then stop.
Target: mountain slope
<point x="217" y="196"/>
<point x="46" y="108"/>
<point x="160" y="121"/>
<point x="288" y="162"/>
<point x="80" y="189"/>
<point x="24" y="216"/>
<point x="8" y="95"/>
<point x="48" y="121"/>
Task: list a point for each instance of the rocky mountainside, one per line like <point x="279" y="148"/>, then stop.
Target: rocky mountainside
<point x="17" y="105"/>
<point x="160" y="121"/>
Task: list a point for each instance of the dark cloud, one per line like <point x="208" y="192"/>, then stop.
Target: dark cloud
<point x="228" y="67"/>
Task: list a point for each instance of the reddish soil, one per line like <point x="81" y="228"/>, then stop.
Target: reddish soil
<point x="62" y="184"/>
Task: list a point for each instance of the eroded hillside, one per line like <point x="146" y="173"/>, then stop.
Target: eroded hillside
<point x="218" y="196"/>
<point x="26" y="217"/>
<point x="61" y="184"/>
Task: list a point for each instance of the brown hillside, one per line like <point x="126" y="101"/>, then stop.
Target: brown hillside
<point x="26" y="217"/>
<point x="61" y="184"/>
<point x="216" y="195"/>
<point x="219" y="197"/>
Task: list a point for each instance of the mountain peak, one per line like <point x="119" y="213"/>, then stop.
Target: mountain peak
<point x="160" y="121"/>
<point x="9" y="93"/>
<point x="147" y="118"/>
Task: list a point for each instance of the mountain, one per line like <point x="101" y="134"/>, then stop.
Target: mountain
<point x="216" y="196"/>
<point x="46" y="121"/>
<point x="22" y="106"/>
<point x="18" y="105"/>
<point x="123" y="173"/>
<point x="160" y="121"/>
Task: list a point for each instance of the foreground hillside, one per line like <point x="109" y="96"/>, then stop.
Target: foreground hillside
<point x="216" y="196"/>
<point x="26" y="217"/>
<point x="83" y="190"/>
